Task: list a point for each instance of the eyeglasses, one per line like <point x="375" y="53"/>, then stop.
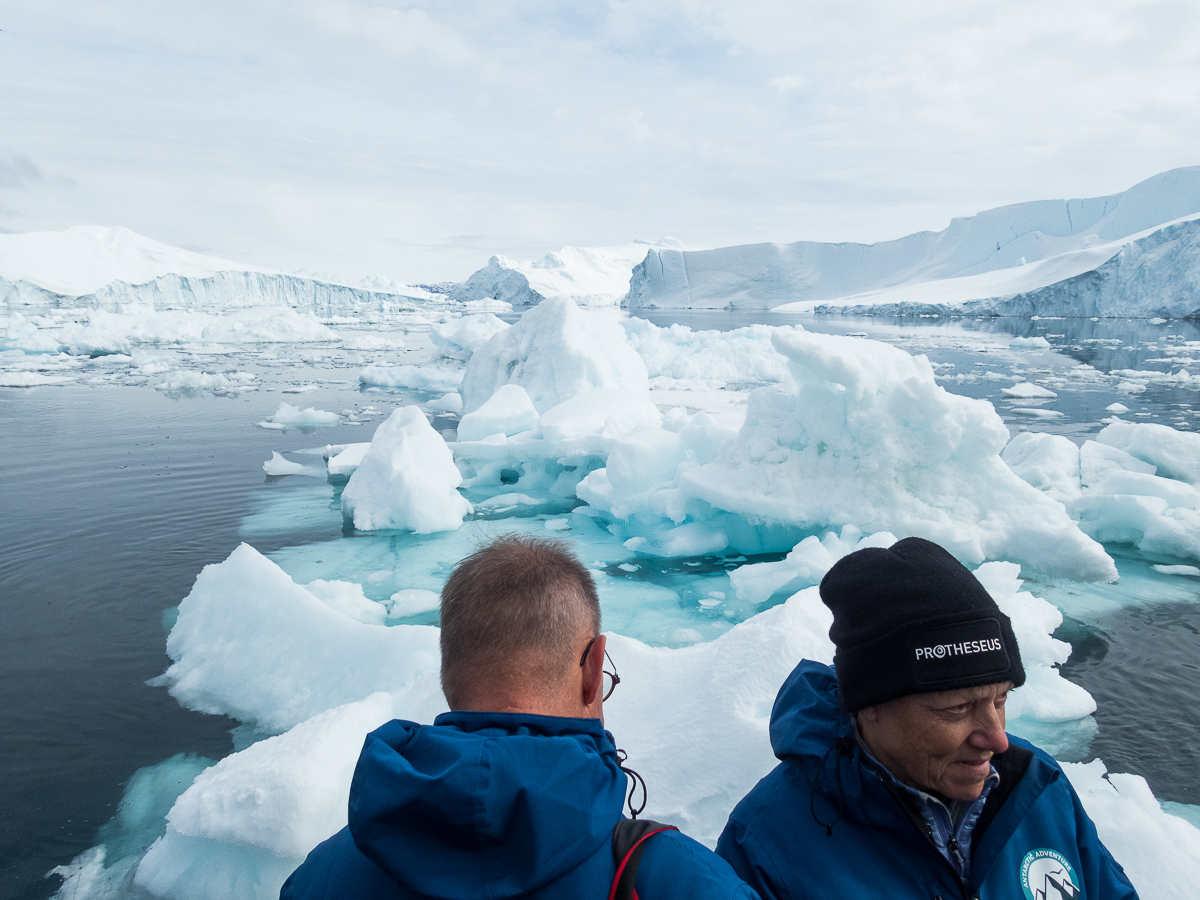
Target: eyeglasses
<point x="611" y="679"/>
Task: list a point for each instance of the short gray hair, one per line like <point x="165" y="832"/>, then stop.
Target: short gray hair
<point x="521" y="599"/>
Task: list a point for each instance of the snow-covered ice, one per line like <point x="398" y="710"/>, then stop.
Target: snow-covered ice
<point x="406" y="479"/>
<point x="321" y="679"/>
<point x="588" y="276"/>
<point x="1133" y="253"/>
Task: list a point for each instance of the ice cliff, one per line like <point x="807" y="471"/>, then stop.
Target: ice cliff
<point x="110" y="268"/>
<point x="1127" y="254"/>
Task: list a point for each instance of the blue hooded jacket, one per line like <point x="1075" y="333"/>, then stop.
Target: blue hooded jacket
<point x="823" y="824"/>
<point x="495" y="805"/>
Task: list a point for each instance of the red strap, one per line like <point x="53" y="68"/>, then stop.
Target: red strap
<point x="612" y="894"/>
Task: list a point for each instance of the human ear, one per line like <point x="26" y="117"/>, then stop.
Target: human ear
<point x="593" y="673"/>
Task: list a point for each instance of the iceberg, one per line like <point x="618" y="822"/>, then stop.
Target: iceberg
<point x="588" y="276"/>
<point x="108" y="268"/>
<point x="406" y="479"/>
<point x="555" y="351"/>
<point x="1134" y="484"/>
<point x="861" y="434"/>
<point x="1128" y="254"/>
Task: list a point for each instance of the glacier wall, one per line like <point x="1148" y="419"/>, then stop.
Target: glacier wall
<point x="764" y="276"/>
<point x="220" y="291"/>
<point x="1158" y="275"/>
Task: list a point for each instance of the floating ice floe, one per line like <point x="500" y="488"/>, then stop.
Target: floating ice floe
<point x="186" y="382"/>
<point x="406" y="479"/>
<point x="1029" y="390"/>
<point x="294" y="417"/>
<point x="24" y="335"/>
<point x="861" y="435"/>
<point x="110" y="332"/>
<point x="1135" y="484"/>
<point x="251" y="643"/>
<point x="428" y="377"/>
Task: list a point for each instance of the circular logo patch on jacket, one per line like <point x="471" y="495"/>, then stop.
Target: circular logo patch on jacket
<point x="1046" y="875"/>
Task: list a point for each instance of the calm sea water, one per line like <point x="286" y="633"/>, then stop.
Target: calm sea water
<point x="116" y="497"/>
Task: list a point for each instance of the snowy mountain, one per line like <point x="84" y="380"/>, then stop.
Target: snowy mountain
<point x="588" y="276"/>
<point x="106" y="268"/>
<point x="1133" y="253"/>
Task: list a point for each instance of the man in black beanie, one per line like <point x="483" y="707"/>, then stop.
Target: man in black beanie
<point x="897" y="778"/>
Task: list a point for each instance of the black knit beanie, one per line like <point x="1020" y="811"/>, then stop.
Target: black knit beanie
<point x="912" y="619"/>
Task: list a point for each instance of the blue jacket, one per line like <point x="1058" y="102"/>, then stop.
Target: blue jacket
<point x="1032" y="835"/>
<point x="495" y="805"/>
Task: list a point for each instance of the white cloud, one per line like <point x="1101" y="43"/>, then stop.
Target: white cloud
<point x="369" y="137"/>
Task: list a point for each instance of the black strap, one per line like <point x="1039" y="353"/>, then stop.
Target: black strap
<point x="629" y="840"/>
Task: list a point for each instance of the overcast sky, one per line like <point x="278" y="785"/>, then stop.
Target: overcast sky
<point x="415" y="139"/>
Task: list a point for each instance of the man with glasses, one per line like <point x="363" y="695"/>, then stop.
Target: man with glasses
<point x="897" y="778"/>
<point x="518" y="790"/>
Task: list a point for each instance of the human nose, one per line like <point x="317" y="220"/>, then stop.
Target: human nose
<point x="989" y="729"/>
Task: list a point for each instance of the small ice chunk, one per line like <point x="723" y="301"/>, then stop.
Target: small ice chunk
<point x="451" y="403"/>
<point x="411" y="602"/>
<point x="1035" y="413"/>
<point x="1117" y="408"/>
<point x="507" y="501"/>
<point x="277" y="465"/>
<point x="1029" y="343"/>
<point x="557" y="525"/>
<point x="406" y="480"/>
<point x="347" y="459"/>
<point x="1029" y="391"/>
<point x="627" y="567"/>
<point x="1178" y="570"/>
<point x="709" y="602"/>
<point x="288" y="415"/>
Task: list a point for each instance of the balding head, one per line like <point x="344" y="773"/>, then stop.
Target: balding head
<point x="514" y="618"/>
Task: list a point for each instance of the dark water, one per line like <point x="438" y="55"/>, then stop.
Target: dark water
<point x="116" y="497"/>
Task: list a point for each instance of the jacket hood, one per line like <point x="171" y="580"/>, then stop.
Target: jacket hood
<point x="506" y="800"/>
<point x="810" y="728"/>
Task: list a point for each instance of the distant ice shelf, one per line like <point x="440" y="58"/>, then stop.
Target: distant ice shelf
<point x="110" y="268"/>
<point x="1136" y="253"/>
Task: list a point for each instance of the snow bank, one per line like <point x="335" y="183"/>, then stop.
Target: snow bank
<point x="1135" y="484"/>
<point x="861" y="435"/>
<point x="1124" y="254"/>
<point x="588" y="276"/>
<point x="407" y="479"/>
<point x="246" y="822"/>
<point x="109" y="332"/>
<point x="555" y="351"/>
